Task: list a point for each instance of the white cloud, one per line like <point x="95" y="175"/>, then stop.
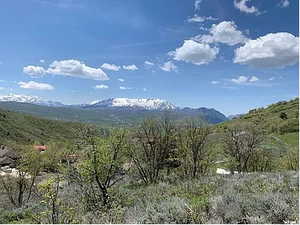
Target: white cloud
<point x="284" y="3"/>
<point x="112" y="67"/>
<point x="168" y="66"/>
<point x="75" y="68"/>
<point x="194" y="52"/>
<point x="130" y="67"/>
<point x="253" y="79"/>
<point x="121" y="80"/>
<point x="34" y="71"/>
<point x="272" y="78"/>
<point x="35" y="85"/>
<point x="200" y="19"/>
<point x="42" y="61"/>
<point x="124" y="88"/>
<point x="243" y="7"/>
<point x="149" y="63"/>
<point x="243" y="80"/>
<point x="197" y="5"/>
<point x="272" y="50"/>
<point x="225" y="32"/>
<point x="215" y="82"/>
<point x="101" y="86"/>
<point x="144" y="89"/>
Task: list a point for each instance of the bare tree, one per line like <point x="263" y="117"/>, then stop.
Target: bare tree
<point x="193" y="139"/>
<point x="154" y="148"/>
<point x="19" y="185"/>
<point x="241" y="143"/>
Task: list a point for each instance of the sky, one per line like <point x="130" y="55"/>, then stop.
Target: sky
<point x="232" y="55"/>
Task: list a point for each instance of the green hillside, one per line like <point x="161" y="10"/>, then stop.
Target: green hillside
<point x="24" y="129"/>
<point x="280" y="119"/>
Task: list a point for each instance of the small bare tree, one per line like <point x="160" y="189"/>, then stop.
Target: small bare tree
<point x="193" y="139"/>
<point x="154" y="148"/>
<point x="19" y="185"/>
<point x="241" y="143"/>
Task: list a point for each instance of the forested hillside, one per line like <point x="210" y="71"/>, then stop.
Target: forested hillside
<point x="25" y="129"/>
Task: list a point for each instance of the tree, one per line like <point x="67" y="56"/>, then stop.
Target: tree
<point x="101" y="169"/>
<point x="193" y="140"/>
<point x="154" y="148"/>
<point x="20" y="184"/>
<point x="240" y="144"/>
<point x="56" y="210"/>
<point x="283" y="116"/>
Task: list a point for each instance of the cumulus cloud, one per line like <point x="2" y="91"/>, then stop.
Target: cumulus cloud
<point x="200" y="19"/>
<point x="71" y="67"/>
<point x="112" y="67"/>
<point x="194" y="52"/>
<point x="215" y="82"/>
<point x="34" y="71"/>
<point x="149" y="63"/>
<point x="121" y="80"/>
<point x="130" y="67"/>
<point x="101" y="86"/>
<point x="225" y="32"/>
<point x="35" y="85"/>
<point x="243" y="7"/>
<point x="124" y="88"/>
<point x="42" y="61"/>
<point x="168" y="66"/>
<point x="75" y="68"/>
<point x="243" y="80"/>
<point x="284" y="3"/>
<point x="274" y="50"/>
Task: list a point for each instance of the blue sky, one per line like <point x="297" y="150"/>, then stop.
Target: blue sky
<point x="231" y="55"/>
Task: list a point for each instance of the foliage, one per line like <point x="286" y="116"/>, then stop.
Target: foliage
<point x="102" y="167"/>
<point x="195" y="153"/>
<point x="154" y="149"/>
<point x="55" y="211"/>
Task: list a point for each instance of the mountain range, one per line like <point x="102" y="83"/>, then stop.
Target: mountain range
<point x="113" y="111"/>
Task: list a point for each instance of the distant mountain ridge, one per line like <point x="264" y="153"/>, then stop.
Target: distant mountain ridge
<point x="113" y="111"/>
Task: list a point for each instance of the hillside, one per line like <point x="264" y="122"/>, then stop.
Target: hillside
<point x="24" y="129"/>
<point x="281" y="119"/>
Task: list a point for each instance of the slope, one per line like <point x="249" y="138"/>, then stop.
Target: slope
<point x="25" y="129"/>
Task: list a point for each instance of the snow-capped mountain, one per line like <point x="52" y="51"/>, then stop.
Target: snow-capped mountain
<point x="109" y="111"/>
<point x="149" y="104"/>
<point x="28" y="99"/>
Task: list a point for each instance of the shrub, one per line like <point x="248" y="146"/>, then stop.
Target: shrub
<point x="172" y="210"/>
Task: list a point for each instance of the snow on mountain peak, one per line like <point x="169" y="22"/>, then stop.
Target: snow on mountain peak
<point x="20" y="98"/>
<point x="142" y="103"/>
<point x="28" y="99"/>
<point x="150" y="104"/>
